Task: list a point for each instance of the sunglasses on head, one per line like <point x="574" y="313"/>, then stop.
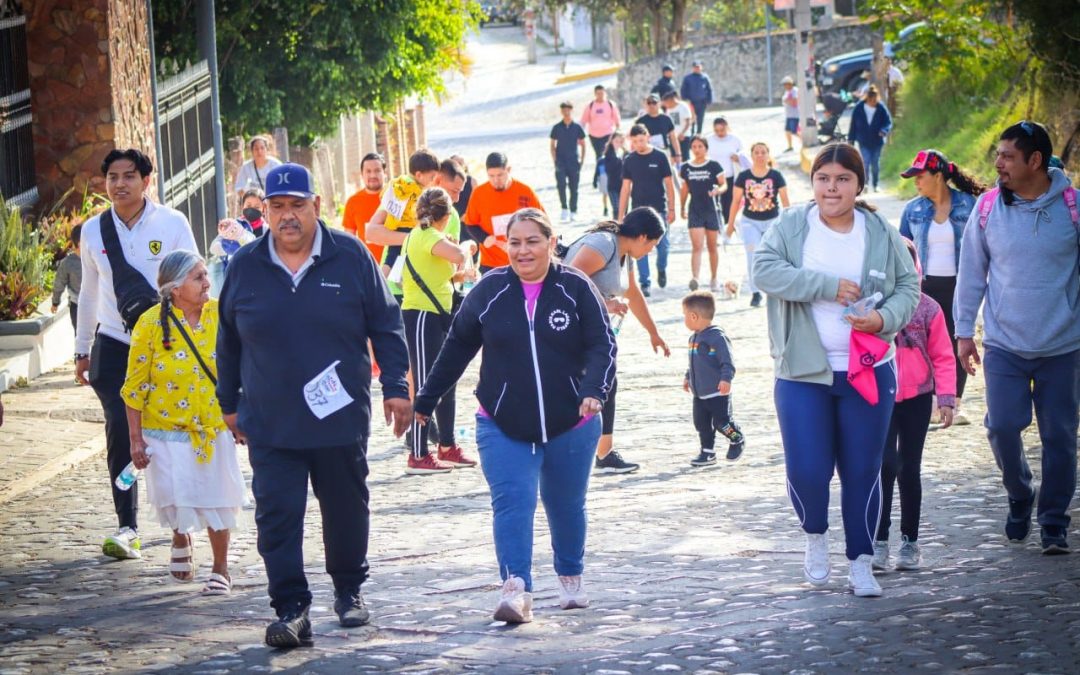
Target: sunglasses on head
<point x="1028" y="128"/>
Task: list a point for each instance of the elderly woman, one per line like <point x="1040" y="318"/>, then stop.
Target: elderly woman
<point x="177" y="431"/>
<point x="548" y="366"/>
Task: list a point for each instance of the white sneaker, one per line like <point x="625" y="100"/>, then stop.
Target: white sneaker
<point x="881" y="555"/>
<point x="909" y="557"/>
<point x="714" y="286"/>
<point x="861" y="579"/>
<point x="565" y="216"/>
<point x="124" y="544"/>
<point x="816" y="567"/>
<point x="572" y="593"/>
<point x="573" y="216"/>
<point x="515" y="604"/>
<point x="960" y="419"/>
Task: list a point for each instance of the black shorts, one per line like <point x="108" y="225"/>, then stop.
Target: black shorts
<point x="707" y="218"/>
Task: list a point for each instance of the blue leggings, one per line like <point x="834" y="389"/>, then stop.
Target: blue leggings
<point x="833" y="426"/>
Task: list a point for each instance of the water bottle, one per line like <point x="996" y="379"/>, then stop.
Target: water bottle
<point x="862" y="307"/>
<point x="467" y="286"/>
<point x="618" y="323"/>
<point x="461" y="434"/>
<point x="128" y="477"/>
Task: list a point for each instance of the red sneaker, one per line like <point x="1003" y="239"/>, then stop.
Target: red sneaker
<point x="456" y="457"/>
<point x="426" y="464"/>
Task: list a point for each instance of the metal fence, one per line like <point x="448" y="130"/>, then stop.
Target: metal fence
<point x="185" y="125"/>
<point x="17" y="176"/>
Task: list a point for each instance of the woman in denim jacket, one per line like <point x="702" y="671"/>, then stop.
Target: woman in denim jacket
<point x="935" y="222"/>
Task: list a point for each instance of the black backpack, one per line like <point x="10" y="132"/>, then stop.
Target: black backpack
<point x="134" y="294"/>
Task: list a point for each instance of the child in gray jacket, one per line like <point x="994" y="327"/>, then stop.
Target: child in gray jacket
<point x="709" y="379"/>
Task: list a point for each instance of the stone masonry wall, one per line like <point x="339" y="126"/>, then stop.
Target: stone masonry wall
<point x="130" y="73"/>
<point x="737" y="65"/>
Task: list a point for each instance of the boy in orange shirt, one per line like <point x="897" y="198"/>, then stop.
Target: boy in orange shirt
<point x="490" y="208"/>
<point x="363" y="205"/>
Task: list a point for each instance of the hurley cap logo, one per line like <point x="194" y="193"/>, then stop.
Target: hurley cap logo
<point x="289" y="180"/>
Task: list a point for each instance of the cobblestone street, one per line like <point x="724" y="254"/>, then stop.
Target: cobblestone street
<point x="695" y="570"/>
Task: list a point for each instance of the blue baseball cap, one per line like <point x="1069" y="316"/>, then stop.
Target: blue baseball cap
<point x="291" y="180"/>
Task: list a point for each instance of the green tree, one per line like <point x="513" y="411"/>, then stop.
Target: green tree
<point x="302" y="63"/>
<point x="736" y="17"/>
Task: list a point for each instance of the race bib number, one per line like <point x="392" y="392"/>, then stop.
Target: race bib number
<point x="657" y="141"/>
<point x="499" y="224"/>
<point x="394" y="206"/>
<point x="324" y="394"/>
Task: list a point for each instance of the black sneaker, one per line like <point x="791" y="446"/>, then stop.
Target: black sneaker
<point x="704" y="459"/>
<point x="1053" y="540"/>
<point x="645" y="291"/>
<point x="734" y="451"/>
<point x="291" y="630"/>
<point x="661" y="278"/>
<point x="350" y="608"/>
<point x="755" y="300"/>
<point x="614" y="463"/>
<point x="1018" y="522"/>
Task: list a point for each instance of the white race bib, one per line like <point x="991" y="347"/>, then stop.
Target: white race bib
<point x="394" y="206"/>
<point x="499" y="223"/>
<point x="324" y="394"/>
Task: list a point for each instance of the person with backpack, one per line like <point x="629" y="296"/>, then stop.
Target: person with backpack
<point x="1020" y="254"/>
<point x="600" y="120"/>
<point x="122" y="249"/>
<point x="604" y="255"/>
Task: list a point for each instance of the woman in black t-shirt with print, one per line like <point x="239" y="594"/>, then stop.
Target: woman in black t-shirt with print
<point x="760" y="191"/>
<point x="702" y="181"/>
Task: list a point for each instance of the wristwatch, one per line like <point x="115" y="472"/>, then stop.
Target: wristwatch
<point x="80" y="357"/>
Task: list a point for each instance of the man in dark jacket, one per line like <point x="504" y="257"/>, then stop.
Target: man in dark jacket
<point x="297" y="310"/>
<point x="665" y="84"/>
<point x="698" y="92"/>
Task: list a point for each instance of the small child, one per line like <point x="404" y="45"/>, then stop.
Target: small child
<point x="709" y="379"/>
<point x="69" y="278"/>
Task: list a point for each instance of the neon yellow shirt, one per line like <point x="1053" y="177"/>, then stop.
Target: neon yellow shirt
<point x="434" y="270"/>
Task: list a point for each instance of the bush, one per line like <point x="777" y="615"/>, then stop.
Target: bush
<point x="25" y="265"/>
<point x="55" y="226"/>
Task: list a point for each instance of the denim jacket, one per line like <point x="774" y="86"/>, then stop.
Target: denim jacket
<point x="919" y="215"/>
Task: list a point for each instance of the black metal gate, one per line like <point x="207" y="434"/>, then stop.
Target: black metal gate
<point x="17" y="175"/>
<point x="185" y="125"/>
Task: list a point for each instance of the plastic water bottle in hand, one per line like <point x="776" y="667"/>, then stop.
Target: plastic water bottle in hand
<point x="128" y="477"/>
<point x="863" y="307"/>
<point x="617" y="324"/>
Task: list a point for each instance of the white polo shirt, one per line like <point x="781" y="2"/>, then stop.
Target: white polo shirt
<point x="159" y="231"/>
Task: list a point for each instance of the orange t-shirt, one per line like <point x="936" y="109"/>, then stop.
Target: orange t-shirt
<point x="358" y="212"/>
<point x="490" y="209"/>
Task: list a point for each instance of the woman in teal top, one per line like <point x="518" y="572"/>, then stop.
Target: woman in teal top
<point x="432" y="263"/>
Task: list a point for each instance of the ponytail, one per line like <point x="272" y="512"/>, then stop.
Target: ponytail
<point x="166" y="307"/>
<point x="963" y="181"/>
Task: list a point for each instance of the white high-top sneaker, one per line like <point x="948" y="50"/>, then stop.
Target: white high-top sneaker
<point x="816" y="567"/>
<point x="861" y="579"/>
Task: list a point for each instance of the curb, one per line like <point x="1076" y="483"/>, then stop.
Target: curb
<point x="806" y="158"/>
<point x="589" y="74"/>
<point x="54" y="467"/>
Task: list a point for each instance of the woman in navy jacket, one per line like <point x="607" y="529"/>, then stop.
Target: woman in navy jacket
<point x="548" y="365"/>
<point x="870" y="124"/>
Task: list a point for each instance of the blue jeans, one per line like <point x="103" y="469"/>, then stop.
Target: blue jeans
<point x="661" y="258"/>
<point x="1013" y="384"/>
<point x="514" y="470"/>
<point x="871" y="157"/>
<point x="823" y="427"/>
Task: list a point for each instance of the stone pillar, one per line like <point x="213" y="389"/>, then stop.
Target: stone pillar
<point x="89" y="63"/>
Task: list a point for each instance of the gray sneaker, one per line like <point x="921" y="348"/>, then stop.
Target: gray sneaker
<point x="909" y="557"/>
<point x="881" y="555"/>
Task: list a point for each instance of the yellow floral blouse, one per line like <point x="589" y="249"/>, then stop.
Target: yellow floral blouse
<point x="169" y="387"/>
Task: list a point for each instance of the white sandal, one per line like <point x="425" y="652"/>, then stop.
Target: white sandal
<point x="182" y="567"/>
<point x="217" y="584"/>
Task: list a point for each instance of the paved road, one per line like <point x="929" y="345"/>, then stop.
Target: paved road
<point x="689" y="570"/>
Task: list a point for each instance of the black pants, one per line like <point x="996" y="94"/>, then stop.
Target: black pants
<point x="568" y="175"/>
<point x="608" y="421"/>
<point x="426" y="332"/>
<point x="108" y="368"/>
<point x="280" y="485"/>
<point x="699" y="116"/>
<point x="943" y="289"/>
<point x="712" y="415"/>
<point x="725" y="200"/>
<point x="598" y="145"/>
<point x="73" y="314"/>
<point x="902" y="462"/>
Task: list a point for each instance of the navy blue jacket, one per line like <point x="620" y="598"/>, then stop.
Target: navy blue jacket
<point x="869" y="134"/>
<point x="697" y="88"/>
<point x="534" y="374"/>
<point x="273" y="339"/>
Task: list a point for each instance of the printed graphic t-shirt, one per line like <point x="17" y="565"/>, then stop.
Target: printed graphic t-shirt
<point x="701" y="179"/>
<point x="760" y="195"/>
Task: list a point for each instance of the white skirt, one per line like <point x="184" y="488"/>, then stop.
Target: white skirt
<point x="187" y="496"/>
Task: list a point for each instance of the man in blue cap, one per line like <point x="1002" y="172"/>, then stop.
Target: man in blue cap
<point x="297" y="310"/>
<point x="666" y="82"/>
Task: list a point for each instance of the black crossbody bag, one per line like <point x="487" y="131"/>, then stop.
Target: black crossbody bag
<point x="134" y="294"/>
<point x="423" y="286"/>
<point x="194" y="349"/>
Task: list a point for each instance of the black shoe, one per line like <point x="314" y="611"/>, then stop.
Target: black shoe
<point x="351" y="610"/>
<point x="661" y="278"/>
<point x="755" y="300"/>
<point x="614" y="463"/>
<point x="1018" y="522"/>
<point x="291" y="630"/>
<point x="645" y="291"/>
<point x="1053" y="540"/>
<point x="734" y="451"/>
<point x="704" y="459"/>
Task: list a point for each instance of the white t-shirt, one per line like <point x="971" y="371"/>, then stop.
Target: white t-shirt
<point x="721" y="150"/>
<point x="249" y="177"/>
<point x="681" y="116"/>
<point x="870" y="110"/>
<point x="941" y="250"/>
<point x="158" y="232"/>
<point x="840" y="255"/>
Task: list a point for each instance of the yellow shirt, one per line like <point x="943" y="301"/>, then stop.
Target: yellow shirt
<point x="169" y="387"/>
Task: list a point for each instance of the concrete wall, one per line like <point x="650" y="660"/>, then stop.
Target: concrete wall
<point x="737" y="65"/>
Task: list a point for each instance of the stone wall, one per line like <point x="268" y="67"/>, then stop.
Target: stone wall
<point x="737" y="65"/>
<point x="130" y="72"/>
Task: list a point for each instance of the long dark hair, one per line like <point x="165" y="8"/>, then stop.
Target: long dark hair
<point x="847" y="156"/>
<point x="432" y="206"/>
<point x="961" y="180"/>
<point x="644" y="220"/>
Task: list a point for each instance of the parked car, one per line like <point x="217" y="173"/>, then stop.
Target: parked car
<point x="846" y="71"/>
<point x="499" y="13"/>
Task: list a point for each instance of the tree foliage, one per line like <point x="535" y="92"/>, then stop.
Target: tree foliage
<point x="303" y="63"/>
<point x="736" y="17"/>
